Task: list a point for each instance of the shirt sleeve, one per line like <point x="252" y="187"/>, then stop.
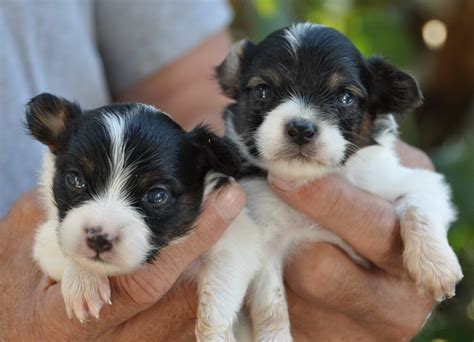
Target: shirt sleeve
<point x="137" y="38"/>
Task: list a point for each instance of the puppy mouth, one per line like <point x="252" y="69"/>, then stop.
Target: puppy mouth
<point x="305" y="155"/>
<point x="99" y="258"/>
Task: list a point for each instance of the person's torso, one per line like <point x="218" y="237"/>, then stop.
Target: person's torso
<point x="45" y="46"/>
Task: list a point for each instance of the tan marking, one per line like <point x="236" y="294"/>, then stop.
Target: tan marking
<point x="364" y="131"/>
<point x="334" y="81"/>
<point x="87" y="164"/>
<point x="271" y="78"/>
<point x="255" y="81"/>
<point x="355" y="90"/>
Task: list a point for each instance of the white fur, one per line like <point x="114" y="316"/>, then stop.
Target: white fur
<point x="46" y="249"/>
<point x="235" y="264"/>
<point x="236" y="256"/>
<point x="295" y="34"/>
<point x="271" y="142"/>
<point x="60" y="247"/>
<point x="83" y="288"/>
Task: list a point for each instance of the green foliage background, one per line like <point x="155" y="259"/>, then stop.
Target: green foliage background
<point x="382" y="27"/>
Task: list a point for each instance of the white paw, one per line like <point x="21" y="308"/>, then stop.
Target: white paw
<point x="428" y="257"/>
<point x="272" y="323"/>
<point x="204" y="333"/>
<point x="282" y="335"/>
<point x="84" y="293"/>
<point x="210" y="327"/>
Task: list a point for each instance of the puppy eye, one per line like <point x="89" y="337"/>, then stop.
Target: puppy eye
<point x="262" y="92"/>
<point x="74" y="180"/>
<point x="156" y="196"/>
<point x="346" y="98"/>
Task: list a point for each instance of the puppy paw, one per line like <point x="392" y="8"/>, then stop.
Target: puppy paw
<point x="210" y="327"/>
<point x="218" y="334"/>
<point x="427" y="257"/>
<point x="282" y="335"/>
<point x="84" y="293"/>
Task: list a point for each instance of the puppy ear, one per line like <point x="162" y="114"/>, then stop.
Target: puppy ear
<point x="220" y="154"/>
<point x="392" y="90"/>
<point x="229" y="71"/>
<point x="48" y="118"/>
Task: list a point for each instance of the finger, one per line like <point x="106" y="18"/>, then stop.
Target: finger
<point x="367" y="222"/>
<point x="176" y="313"/>
<point x="134" y="293"/>
<point x="323" y="275"/>
<point x="412" y="157"/>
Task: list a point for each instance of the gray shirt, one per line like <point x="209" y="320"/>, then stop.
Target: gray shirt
<point x="84" y="50"/>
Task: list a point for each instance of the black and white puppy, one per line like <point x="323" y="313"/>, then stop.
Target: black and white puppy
<point x="308" y="104"/>
<point x="119" y="183"/>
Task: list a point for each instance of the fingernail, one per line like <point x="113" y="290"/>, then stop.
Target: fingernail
<point x="281" y="184"/>
<point x="230" y="201"/>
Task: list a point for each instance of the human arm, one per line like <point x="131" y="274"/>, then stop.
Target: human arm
<point x="186" y="88"/>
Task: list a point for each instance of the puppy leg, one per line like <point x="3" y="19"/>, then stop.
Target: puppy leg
<point x="46" y="250"/>
<point x="224" y="275"/>
<point x="424" y="222"/>
<point x="221" y="287"/>
<point x="267" y="303"/>
<point x="84" y="292"/>
<point x="423" y="203"/>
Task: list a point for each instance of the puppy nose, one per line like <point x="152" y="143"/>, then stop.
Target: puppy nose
<point x="300" y="131"/>
<point x="98" y="241"/>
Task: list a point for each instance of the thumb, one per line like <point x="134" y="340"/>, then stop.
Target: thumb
<point x="136" y="292"/>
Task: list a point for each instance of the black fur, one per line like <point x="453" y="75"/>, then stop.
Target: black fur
<point x="161" y="152"/>
<point x="48" y="118"/>
<point x="391" y="90"/>
<point x="325" y="65"/>
<point x="222" y="155"/>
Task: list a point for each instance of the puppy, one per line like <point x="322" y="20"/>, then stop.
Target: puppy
<point x="119" y="183"/>
<point x="306" y="104"/>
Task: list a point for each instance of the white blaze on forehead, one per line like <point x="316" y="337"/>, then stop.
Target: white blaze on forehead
<point x="119" y="171"/>
<point x="295" y="34"/>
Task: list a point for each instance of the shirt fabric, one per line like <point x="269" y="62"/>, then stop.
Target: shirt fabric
<point x="84" y="50"/>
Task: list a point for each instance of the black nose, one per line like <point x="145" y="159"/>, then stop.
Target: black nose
<point x="97" y="241"/>
<point x="300" y="131"/>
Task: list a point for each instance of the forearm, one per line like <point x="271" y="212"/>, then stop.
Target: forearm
<point x="186" y="88"/>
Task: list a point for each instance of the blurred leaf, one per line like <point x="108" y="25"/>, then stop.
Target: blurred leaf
<point x="266" y="8"/>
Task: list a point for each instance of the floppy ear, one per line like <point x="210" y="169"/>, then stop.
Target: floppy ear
<point x="48" y="118"/>
<point x="392" y="90"/>
<point x="229" y="71"/>
<point x="220" y="154"/>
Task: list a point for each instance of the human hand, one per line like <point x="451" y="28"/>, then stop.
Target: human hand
<point x="143" y="306"/>
<point x="333" y="298"/>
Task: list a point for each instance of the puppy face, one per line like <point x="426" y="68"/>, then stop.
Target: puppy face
<point x="306" y="99"/>
<point x="127" y="180"/>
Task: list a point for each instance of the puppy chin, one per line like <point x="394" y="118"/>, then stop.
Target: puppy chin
<point x="300" y="171"/>
<point x="130" y="247"/>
